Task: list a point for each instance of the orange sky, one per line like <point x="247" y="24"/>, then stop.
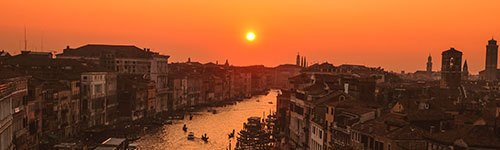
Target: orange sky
<point x="395" y="34"/>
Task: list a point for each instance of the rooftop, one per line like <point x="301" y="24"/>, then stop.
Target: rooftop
<point x="117" y="51"/>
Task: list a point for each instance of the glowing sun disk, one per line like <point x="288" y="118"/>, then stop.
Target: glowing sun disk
<point x="250" y="36"/>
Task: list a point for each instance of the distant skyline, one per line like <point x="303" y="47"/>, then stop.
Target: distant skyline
<point x="393" y="34"/>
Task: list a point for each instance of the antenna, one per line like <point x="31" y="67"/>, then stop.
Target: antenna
<point x="25" y="41"/>
<point x="41" y="42"/>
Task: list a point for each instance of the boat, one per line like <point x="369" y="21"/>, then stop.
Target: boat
<point x="231" y="135"/>
<point x="184" y="128"/>
<point x="214" y="111"/>
<point x="190" y="117"/>
<point x="270" y="102"/>
<point x="169" y="122"/>
<point x="258" y="100"/>
<point x="204" y="138"/>
<point x="191" y="136"/>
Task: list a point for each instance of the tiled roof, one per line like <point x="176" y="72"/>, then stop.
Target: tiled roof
<point x="4" y="54"/>
<point x="473" y="136"/>
<point x="48" y="68"/>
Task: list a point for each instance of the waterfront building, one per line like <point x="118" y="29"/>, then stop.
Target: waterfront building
<point x="127" y="59"/>
<point x="13" y="92"/>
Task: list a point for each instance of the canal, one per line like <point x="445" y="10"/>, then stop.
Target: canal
<point x="216" y="126"/>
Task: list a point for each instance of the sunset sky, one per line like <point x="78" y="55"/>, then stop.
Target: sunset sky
<point x="394" y="34"/>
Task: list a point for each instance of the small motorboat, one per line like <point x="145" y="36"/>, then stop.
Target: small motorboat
<point x="258" y="100"/>
<point x="270" y="102"/>
<point x="191" y="136"/>
<point x="185" y="128"/>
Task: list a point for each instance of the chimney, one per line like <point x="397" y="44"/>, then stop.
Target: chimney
<point x="346" y="88"/>
<point x="149" y="49"/>
<point x="145" y="49"/>
<point x="67" y="46"/>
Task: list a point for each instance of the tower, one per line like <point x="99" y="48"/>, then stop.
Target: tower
<point x="451" y="68"/>
<point x="491" y="60"/>
<point x="298" y="59"/>
<point x="305" y="62"/>
<point x="302" y="62"/>
<point x="429" y="64"/>
<point x="465" y="71"/>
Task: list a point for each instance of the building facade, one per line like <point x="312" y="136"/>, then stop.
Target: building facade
<point x="126" y="59"/>
<point x="13" y="96"/>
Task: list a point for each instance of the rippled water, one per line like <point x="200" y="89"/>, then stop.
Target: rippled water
<point x="217" y="126"/>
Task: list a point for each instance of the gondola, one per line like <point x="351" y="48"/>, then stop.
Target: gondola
<point x="184" y="128"/>
<point x="231" y="135"/>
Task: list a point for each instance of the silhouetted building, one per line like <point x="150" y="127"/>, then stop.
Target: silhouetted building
<point x="490" y="71"/>
<point x="298" y="59"/>
<point x="451" y="68"/>
<point x="465" y="71"/>
<point x="429" y="64"/>
<point x="302" y="62"/>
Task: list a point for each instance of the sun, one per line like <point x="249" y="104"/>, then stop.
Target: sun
<point x="250" y="36"/>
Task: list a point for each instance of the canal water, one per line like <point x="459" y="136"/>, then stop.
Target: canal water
<point x="216" y="126"/>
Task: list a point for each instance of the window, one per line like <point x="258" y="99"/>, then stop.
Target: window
<point x="98" y="89"/>
<point x="341" y="98"/>
<point x="320" y="134"/>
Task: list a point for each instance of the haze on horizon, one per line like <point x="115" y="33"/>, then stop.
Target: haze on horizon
<point x="396" y="35"/>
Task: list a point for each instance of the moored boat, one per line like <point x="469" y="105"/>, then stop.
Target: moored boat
<point x="190" y="136"/>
